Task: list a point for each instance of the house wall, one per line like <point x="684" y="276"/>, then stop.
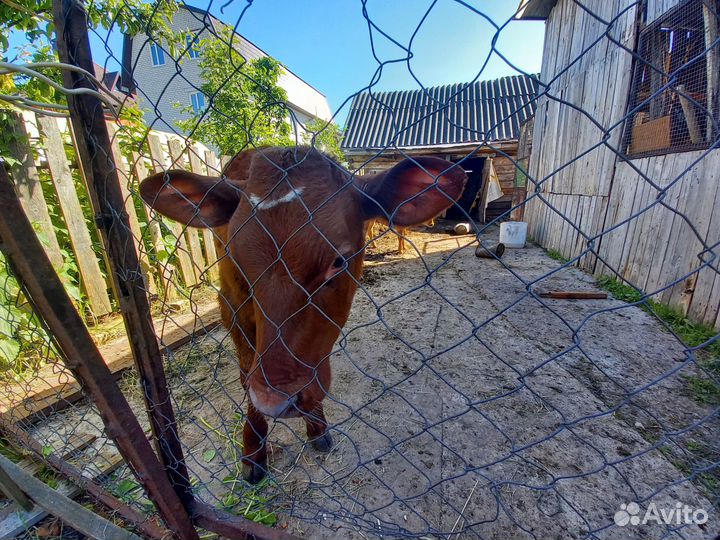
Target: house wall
<point x="159" y="88"/>
<point x="601" y="196"/>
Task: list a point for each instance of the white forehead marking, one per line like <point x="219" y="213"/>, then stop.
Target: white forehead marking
<point x="266" y="204"/>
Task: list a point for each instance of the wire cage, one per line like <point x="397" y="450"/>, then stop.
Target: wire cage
<point x="243" y="349"/>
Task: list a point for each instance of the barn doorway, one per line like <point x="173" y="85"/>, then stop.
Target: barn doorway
<point x="471" y="194"/>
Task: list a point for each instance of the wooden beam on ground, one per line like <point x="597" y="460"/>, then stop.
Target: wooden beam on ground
<point x="88" y="481"/>
<point x="13" y="492"/>
<point x="574" y="295"/>
<point x="59" y="503"/>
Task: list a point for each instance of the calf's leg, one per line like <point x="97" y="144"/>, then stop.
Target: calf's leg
<point x="254" y="450"/>
<point x="317" y="431"/>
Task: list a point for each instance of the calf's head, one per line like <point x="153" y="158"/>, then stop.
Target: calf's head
<point x="291" y="222"/>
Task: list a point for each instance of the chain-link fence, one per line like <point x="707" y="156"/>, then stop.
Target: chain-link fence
<point x="340" y="385"/>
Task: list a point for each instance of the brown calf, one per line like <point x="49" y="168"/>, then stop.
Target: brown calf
<point x="400" y="231"/>
<point x="290" y="223"/>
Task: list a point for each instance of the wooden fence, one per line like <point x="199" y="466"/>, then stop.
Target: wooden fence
<point x="52" y="189"/>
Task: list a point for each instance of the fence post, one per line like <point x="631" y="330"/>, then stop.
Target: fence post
<point x="94" y="145"/>
<point x="27" y="185"/>
<point x="91" y="277"/>
<point x="175" y="149"/>
<point x="183" y="253"/>
<point x="208" y="235"/>
<point x="165" y="269"/>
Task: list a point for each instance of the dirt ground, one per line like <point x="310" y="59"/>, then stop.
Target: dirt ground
<point x="462" y="407"/>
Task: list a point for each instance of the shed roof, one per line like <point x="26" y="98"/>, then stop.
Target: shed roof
<point x="535" y="10"/>
<point x="483" y="111"/>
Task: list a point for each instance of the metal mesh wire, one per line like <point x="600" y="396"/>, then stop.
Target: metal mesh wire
<point x="464" y="403"/>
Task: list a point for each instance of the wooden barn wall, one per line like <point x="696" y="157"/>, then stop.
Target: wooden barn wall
<point x="587" y="78"/>
<point x="653" y="248"/>
<point x="598" y="192"/>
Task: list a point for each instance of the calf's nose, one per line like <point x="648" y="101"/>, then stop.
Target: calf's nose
<point x="272" y="403"/>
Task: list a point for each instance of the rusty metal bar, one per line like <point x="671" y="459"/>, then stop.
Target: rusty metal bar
<point x="81" y="356"/>
<point x="236" y="527"/>
<point x="94" y="147"/>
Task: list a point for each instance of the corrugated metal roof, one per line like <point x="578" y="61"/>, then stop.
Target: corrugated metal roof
<point x="442" y="115"/>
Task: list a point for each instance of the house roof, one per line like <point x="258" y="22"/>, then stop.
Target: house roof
<point x="535" y="10"/>
<point x="482" y="111"/>
<point x="110" y="80"/>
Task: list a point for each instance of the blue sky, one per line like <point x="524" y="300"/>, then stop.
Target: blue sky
<point x="327" y="42"/>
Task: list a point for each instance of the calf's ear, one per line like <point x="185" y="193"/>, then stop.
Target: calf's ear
<point x="413" y="191"/>
<point x="192" y="199"/>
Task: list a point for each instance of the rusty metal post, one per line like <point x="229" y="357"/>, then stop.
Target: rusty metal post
<point x="94" y="147"/>
<point x="52" y="303"/>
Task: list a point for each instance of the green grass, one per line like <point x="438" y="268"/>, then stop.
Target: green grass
<point x="556" y="255"/>
<point x="241" y="498"/>
<point x="44" y="473"/>
<point x="702" y="389"/>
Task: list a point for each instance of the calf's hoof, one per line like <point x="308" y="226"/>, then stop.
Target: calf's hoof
<point x="323" y="443"/>
<point x="253" y="472"/>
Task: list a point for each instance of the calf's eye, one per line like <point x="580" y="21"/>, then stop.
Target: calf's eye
<point x="339" y="262"/>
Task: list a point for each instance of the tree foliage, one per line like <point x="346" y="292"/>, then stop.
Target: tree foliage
<point x="244" y="103"/>
<point x="325" y="136"/>
<point x="32" y="19"/>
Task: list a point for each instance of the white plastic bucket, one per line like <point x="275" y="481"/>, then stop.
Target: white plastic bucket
<point x="513" y="233"/>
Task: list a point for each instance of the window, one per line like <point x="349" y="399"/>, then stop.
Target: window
<point x="192" y="46"/>
<point x="158" y="55"/>
<point x="197" y="100"/>
<point x="673" y="105"/>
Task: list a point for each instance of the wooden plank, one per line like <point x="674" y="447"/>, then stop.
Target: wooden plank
<point x="181" y="247"/>
<point x="652" y="228"/>
<point x="662" y="241"/>
<point x="58" y="502"/>
<point x="12" y="491"/>
<point x="191" y="234"/>
<point x="633" y="271"/>
<point x="52" y="389"/>
<point x="699" y="212"/>
<point x="211" y="267"/>
<point x="672" y="262"/>
<point x="29" y="189"/>
<point x="91" y="278"/>
<point x="128" y="200"/>
<point x="165" y="270"/>
<point x="212" y="163"/>
<point x="706" y="298"/>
